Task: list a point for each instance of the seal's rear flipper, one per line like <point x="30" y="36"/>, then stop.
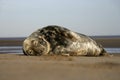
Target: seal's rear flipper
<point x="104" y="53"/>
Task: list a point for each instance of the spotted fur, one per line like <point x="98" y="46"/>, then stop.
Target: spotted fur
<point x="61" y="41"/>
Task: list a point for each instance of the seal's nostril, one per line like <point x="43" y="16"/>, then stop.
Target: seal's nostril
<point x="30" y="51"/>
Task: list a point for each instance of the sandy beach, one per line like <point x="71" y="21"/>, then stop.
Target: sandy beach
<point x="20" y="67"/>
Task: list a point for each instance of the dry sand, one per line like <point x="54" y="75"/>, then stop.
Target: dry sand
<point x="20" y="67"/>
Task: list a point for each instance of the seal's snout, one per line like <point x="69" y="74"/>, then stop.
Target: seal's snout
<point x="35" y="46"/>
<point x="27" y="47"/>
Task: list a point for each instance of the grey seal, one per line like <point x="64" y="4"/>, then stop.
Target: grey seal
<point x="58" y="40"/>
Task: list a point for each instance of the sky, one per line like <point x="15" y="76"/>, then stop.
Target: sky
<point x="19" y="18"/>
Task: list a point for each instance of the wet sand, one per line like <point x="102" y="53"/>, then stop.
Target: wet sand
<point x="20" y="67"/>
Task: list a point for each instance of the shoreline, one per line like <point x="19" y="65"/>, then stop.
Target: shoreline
<point x="105" y="42"/>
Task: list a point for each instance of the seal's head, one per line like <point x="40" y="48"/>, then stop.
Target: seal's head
<point x="35" y="46"/>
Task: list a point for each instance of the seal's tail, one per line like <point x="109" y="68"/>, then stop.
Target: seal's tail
<point x="105" y="53"/>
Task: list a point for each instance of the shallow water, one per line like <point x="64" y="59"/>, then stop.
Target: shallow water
<point x="113" y="50"/>
<point x="18" y="49"/>
<point x="10" y="49"/>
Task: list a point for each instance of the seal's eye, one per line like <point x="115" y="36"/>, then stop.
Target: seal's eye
<point x="34" y="42"/>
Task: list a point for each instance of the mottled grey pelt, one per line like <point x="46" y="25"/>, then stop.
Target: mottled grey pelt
<point x="60" y="41"/>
